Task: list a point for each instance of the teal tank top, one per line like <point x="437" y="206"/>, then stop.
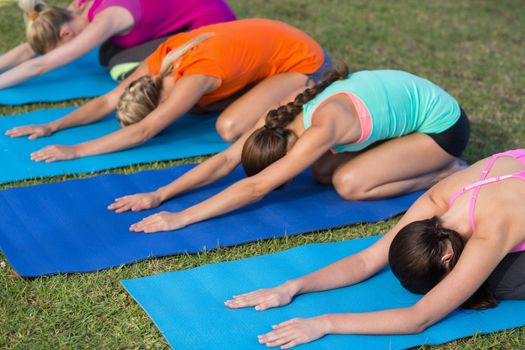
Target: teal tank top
<point x="399" y="103"/>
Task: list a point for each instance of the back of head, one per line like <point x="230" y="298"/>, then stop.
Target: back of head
<point x="142" y="96"/>
<point x="43" y="24"/>
<point x="416" y="259"/>
<point x="416" y="254"/>
<point x="139" y="99"/>
<point x="270" y="143"/>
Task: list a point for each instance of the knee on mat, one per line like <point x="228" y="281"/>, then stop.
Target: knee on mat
<point x="228" y="131"/>
<point x="320" y="175"/>
<point x="350" y="187"/>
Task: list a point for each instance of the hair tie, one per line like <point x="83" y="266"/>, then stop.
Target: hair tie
<point x="33" y="15"/>
<point x="278" y="130"/>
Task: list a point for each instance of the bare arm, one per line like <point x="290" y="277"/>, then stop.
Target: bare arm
<point x="344" y="272"/>
<point x="310" y="146"/>
<point x="106" y="24"/>
<point x="207" y="172"/>
<point x="464" y="279"/>
<point x="92" y="111"/>
<point x="15" y="56"/>
<point x="185" y="93"/>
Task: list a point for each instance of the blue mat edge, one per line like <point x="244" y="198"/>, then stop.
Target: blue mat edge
<point x="125" y="283"/>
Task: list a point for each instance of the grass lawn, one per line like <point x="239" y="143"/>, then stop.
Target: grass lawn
<point x="473" y="49"/>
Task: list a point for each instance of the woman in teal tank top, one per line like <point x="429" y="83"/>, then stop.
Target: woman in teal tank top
<point x="395" y="133"/>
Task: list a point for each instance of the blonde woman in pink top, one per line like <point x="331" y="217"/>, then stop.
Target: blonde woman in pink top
<point x="128" y="30"/>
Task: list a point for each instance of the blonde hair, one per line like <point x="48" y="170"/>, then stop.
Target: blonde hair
<point x="43" y="24"/>
<point x="142" y="96"/>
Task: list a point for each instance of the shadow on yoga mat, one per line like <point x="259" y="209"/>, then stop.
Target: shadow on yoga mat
<point x="192" y="135"/>
<point x="81" y="78"/>
<point x="187" y="306"/>
<point x="65" y="226"/>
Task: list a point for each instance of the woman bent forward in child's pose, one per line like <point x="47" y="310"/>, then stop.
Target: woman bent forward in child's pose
<point x="461" y="244"/>
<point x="203" y="70"/>
<point x="127" y="30"/>
<point x="336" y="127"/>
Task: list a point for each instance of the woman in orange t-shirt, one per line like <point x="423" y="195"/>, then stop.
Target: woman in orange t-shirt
<point x="207" y="69"/>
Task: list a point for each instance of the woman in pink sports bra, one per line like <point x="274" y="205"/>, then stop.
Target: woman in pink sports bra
<point x="460" y="244"/>
<point x="61" y="35"/>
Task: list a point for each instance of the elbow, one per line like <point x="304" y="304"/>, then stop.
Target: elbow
<point x="257" y="191"/>
<point x="142" y="135"/>
<point x="417" y="324"/>
<point x="39" y="67"/>
<point x="419" y="328"/>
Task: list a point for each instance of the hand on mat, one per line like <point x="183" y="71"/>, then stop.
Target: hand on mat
<point x="53" y="153"/>
<point x="34" y="131"/>
<point x="163" y="221"/>
<point x="262" y="299"/>
<point x="295" y="331"/>
<point x="135" y="202"/>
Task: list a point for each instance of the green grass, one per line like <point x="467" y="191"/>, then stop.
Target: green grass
<point x="473" y="49"/>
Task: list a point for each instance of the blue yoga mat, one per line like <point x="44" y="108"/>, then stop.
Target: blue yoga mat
<point x="190" y="136"/>
<point x="65" y="226"/>
<point x="187" y="306"/>
<point x="81" y="78"/>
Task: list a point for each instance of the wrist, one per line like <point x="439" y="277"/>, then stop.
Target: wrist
<point x="53" y="127"/>
<point x="79" y="151"/>
<point x="161" y="195"/>
<point x="325" y="323"/>
<point x="293" y="287"/>
<point x="187" y="218"/>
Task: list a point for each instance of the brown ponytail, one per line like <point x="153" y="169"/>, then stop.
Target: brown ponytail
<point x="270" y="143"/>
<point x="415" y="258"/>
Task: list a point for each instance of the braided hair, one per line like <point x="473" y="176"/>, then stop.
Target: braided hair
<point x="416" y="254"/>
<point x="270" y="143"/>
<point x="142" y="96"/>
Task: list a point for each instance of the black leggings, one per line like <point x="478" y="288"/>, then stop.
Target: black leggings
<point x="454" y="140"/>
<point x="507" y="281"/>
<point x="111" y="55"/>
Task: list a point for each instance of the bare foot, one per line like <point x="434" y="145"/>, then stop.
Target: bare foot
<point x="457" y="164"/>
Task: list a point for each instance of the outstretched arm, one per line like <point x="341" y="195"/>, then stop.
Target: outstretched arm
<point x="15" y="56"/>
<point x="464" y="279"/>
<point x="92" y="111"/>
<point x="105" y="25"/>
<point x="310" y="146"/>
<point x="184" y="95"/>
<point x="344" y="272"/>
<point x="205" y="173"/>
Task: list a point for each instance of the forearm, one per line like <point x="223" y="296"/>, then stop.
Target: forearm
<point x="22" y="72"/>
<point x="92" y="111"/>
<point x="128" y="137"/>
<point x="236" y="196"/>
<point x="16" y="56"/>
<point x="393" y="321"/>
<point x="205" y="173"/>
<point x="344" y="272"/>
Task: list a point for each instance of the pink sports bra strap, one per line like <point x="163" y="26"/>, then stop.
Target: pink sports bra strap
<point x="516" y="154"/>
<point x="475" y="192"/>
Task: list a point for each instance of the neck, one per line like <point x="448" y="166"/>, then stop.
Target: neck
<point x="297" y="125"/>
<point x="78" y="23"/>
<point x="453" y="221"/>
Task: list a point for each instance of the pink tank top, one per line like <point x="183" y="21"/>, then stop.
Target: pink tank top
<point x="519" y="155"/>
<point x="157" y="18"/>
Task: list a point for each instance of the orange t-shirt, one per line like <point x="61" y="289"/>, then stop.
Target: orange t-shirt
<point x="241" y="53"/>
